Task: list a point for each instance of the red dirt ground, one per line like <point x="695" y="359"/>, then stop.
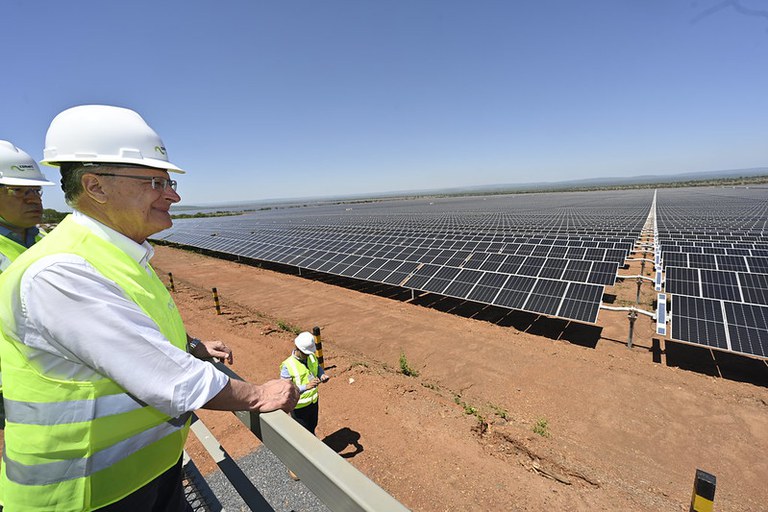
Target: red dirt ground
<point x="622" y="432"/>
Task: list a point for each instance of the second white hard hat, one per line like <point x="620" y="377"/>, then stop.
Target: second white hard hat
<point x="103" y="133"/>
<point x="19" y="169"/>
<point x="305" y="342"/>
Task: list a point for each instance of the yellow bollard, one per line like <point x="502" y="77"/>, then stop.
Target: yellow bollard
<point x="319" y="345"/>
<point x="703" y="492"/>
<point x="170" y="280"/>
<point x="216" y="301"/>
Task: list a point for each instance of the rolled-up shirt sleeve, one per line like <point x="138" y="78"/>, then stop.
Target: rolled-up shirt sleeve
<point x="86" y="322"/>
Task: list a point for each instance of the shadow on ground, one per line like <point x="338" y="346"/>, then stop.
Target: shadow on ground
<point x="343" y="438"/>
<point x="715" y="363"/>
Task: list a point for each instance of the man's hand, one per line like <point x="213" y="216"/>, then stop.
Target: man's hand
<point x="213" y="348"/>
<point x="324" y="378"/>
<point x="313" y="383"/>
<point x="273" y="395"/>
<point x="276" y="394"/>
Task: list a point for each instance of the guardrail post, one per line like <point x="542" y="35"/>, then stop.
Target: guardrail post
<point x="170" y="281"/>
<point x="216" y="300"/>
<point x="703" y="492"/>
<point x="632" y="317"/>
<point x="319" y="345"/>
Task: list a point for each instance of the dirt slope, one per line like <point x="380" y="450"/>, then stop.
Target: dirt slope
<point x="621" y="432"/>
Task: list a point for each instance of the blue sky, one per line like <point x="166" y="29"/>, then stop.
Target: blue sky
<point x="265" y="100"/>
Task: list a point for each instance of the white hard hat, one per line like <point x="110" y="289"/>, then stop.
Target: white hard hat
<point x="102" y="133"/>
<point x="17" y="168"/>
<point x="305" y="342"/>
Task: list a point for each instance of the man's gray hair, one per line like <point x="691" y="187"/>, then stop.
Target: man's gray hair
<point x="72" y="179"/>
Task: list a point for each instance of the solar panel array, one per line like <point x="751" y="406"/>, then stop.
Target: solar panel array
<point x="551" y="254"/>
<point x="715" y="259"/>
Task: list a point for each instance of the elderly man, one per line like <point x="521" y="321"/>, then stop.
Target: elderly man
<point x="99" y="381"/>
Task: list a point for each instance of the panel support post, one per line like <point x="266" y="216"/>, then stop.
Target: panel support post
<point x="170" y="281"/>
<point x="632" y="317"/>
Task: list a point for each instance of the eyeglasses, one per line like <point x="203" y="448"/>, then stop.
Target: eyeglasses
<point x="23" y="191"/>
<point x="157" y="182"/>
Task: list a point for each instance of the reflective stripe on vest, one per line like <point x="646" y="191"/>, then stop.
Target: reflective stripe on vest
<point x="81" y="443"/>
<point x="69" y="469"/>
<point x="301" y="376"/>
<point x="59" y="413"/>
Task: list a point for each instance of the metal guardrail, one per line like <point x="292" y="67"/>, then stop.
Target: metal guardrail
<point x="336" y="482"/>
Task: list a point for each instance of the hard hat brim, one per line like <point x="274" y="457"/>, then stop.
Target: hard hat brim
<point x="21" y="182"/>
<point x="146" y="162"/>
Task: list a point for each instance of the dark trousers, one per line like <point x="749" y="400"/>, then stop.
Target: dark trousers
<point x="307" y="416"/>
<point x="163" y="494"/>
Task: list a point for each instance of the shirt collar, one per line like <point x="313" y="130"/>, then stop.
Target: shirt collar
<point x="141" y="253"/>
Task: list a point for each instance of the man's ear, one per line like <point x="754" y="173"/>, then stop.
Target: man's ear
<point x="92" y="186"/>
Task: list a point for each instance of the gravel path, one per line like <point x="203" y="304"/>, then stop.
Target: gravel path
<point x="270" y="477"/>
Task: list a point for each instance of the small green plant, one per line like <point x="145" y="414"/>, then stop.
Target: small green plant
<point x="468" y="409"/>
<point x="405" y="367"/>
<point x="285" y="326"/>
<point x="541" y="427"/>
<point x="500" y="411"/>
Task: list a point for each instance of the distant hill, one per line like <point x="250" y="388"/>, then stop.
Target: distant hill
<point x="612" y="181"/>
<point x="703" y="178"/>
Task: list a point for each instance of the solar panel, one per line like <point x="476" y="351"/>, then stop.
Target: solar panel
<point x="488" y="287"/>
<point x="546" y="296"/>
<point x="463" y="283"/>
<point x="514" y="293"/>
<point x="581" y="302"/>
<point x="720" y="285"/>
<point x="698" y="321"/>
<point x="748" y="328"/>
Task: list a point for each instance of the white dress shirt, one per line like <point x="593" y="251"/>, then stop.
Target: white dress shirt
<point x="80" y="323"/>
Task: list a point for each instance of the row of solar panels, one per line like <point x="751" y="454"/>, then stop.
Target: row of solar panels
<point x="550" y="253"/>
<point x="724" y="325"/>
<point x="534" y="292"/>
<point x="598" y="272"/>
<point x="715" y="260"/>
<point x="399" y="236"/>
<point x="726" y="244"/>
<point x="409" y="249"/>
<point x="718" y="284"/>
<point x="756" y="264"/>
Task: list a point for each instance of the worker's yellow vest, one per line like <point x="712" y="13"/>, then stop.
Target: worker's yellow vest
<point x="9" y="251"/>
<point x="82" y="444"/>
<point x="301" y="376"/>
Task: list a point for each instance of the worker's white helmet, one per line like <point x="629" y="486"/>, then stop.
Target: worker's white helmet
<point x="19" y="169"/>
<point x="102" y="133"/>
<point x="305" y="342"/>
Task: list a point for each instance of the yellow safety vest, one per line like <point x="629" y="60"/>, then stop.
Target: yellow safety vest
<point x="78" y="445"/>
<point x="301" y="375"/>
<point x="9" y="251"/>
